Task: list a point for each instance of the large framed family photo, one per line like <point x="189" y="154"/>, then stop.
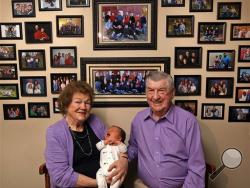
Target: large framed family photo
<point x="58" y="81"/>
<point x="187" y="85"/>
<point x="120" y="82"/>
<point x="23" y="8"/>
<point x="125" y="24"/>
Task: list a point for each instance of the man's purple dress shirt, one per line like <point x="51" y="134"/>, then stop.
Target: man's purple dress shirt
<point x="169" y="151"/>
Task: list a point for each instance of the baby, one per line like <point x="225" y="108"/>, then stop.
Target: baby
<point x="110" y="148"/>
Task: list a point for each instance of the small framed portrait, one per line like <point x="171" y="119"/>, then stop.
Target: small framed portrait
<point x="212" y="32"/>
<point x="50" y="5"/>
<point x="60" y="80"/>
<point x="229" y="10"/>
<point x="23" y="8"/>
<point x="38" y="32"/>
<point x="201" y="5"/>
<point x="173" y="3"/>
<point x="32" y="60"/>
<point x="220" y="60"/>
<point x="212" y="111"/>
<point x="189" y="105"/>
<point x="9" y="91"/>
<point x="14" y="111"/>
<point x="7" y="52"/>
<point x="77" y="3"/>
<point x="240" y="31"/>
<point x="33" y="86"/>
<point x="8" y="71"/>
<point x="244" y="53"/>
<point x="38" y="110"/>
<point x="11" y="31"/>
<point x="56" y="108"/>
<point x="219" y="87"/>
<point x="69" y="26"/>
<point x="188" y="57"/>
<point x="243" y="75"/>
<point x="242" y="95"/>
<point x="187" y="85"/>
<point x="239" y="114"/>
<point x="180" y="26"/>
<point x="64" y="57"/>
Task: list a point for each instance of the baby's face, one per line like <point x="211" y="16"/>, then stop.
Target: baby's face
<point x="113" y="136"/>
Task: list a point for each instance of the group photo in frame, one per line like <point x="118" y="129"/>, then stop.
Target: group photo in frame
<point x="243" y="75"/>
<point x="125" y="24"/>
<point x="14" y="111"/>
<point x="211" y="32"/>
<point x="32" y="60"/>
<point x="187" y="85"/>
<point x="188" y="105"/>
<point x="56" y="108"/>
<point x="8" y="71"/>
<point x="70" y="26"/>
<point x="120" y="82"/>
<point x="180" y="26"/>
<point x="38" y="32"/>
<point x="7" y="52"/>
<point x="11" y="31"/>
<point x="220" y="60"/>
<point x="219" y="87"/>
<point x="38" y="110"/>
<point x="240" y="31"/>
<point x="33" y="86"/>
<point x="172" y="3"/>
<point x="60" y="80"/>
<point x="244" y="53"/>
<point x="201" y="6"/>
<point x="50" y="5"/>
<point x="9" y="91"/>
<point x="77" y="3"/>
<point x="23" y="8"/>
<point x="228" y="10"/>
<point x="242" y="95"/>
<point x="188" y="57"/>
<point x="212" y="111"/>
<point x="239" y="114"/>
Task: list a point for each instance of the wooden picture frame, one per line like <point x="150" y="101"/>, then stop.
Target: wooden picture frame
<point x="23" y="8"/>
<point x="212" y="111"/>
<point x="14" y="111"/>
<point x="77" y="3"/>
<point x="239" y="114"/>
<point x="167" y="3"/>
<point x="9" y="91"/>
<point x="54" y="5"/>
<point x="229" y="10"/>
<point x="11" y="31"/>
<point x="243" y="75"/>
<point x="244" y="53"/>
<point x="60" y="80"/>
<point x="188" y="57"/>
<point x="38" y="110"/>
<point x="201" y="6"/>
<point x="8" y="71"/>
<point x="188" y="105"/>
<point x="33" y="86"/>
<point x="242" y="95"/>
<point x="240" y="31"/>
<point x="187" y="85"/>
<point x="7" y="52"/>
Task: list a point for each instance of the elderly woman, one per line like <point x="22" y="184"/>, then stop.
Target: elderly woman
<point x="71" y="155"/>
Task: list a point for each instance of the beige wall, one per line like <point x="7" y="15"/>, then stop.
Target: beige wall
<point x="22" y="142"/>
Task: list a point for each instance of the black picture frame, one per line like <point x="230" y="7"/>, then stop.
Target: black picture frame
<point x="8" y="71"/>
<point x="60" y="80"/>
<point x="229" y="10"/>
<point x="187" y="85"/>
<point x="14" y="111"/>
<point x="212" y="111"/>
<point x="142" y="38"/>
<point x="244" y="53"/>
<point x="55" y="5"/>
<point x="166" y="3"/>
<point x="9" y="91"/>
<point x="239" y="114"/>
<point x="77" y="3"/>
<point x="208" y="35"/>
<point x="32" y="60"/>
<point x="188" y="105"/>
<point x="56" y="108"/>
<point x="23" y="8"/>
<point x="7" y="52"/>
<point x="180" y="26"/>
<point x="33" y="86"/>
<point x="188" y="57"/>
<point x="38" y="110"/>
<point x="219" y="87"/>
<point x="92" y="70"/>
<point x="220" y="60"/>
<point x="38" y="32"/>
<point x="70" y="26"/>
<point x="11" y="31"/>
<point x="242" y="95"/>
<point x="243" y="75"/>
<point x="201" y="6"/>
<point x="240" y="31"/>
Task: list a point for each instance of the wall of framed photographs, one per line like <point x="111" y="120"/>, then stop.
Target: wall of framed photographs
<point x="206" y="46"/>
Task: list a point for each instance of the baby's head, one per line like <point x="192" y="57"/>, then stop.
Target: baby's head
<point x="115" y="135"/>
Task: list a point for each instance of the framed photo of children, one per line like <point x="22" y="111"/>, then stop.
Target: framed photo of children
<point x="38" y="110"/>
<point x="187" y="85"/>
<point x="189" y="105"/>
<point x="60" y="80"/>
<point x="242" y="95"/>
<point x="201" y="5"/>
<point x="211" y="32"/>
<point x="9" y="91"/>
<point x="77" y="3"/>
<point x="33" y="86"/>
<point x="14" y="111"/>
<point x="239" y="114"/>
<point x="8" y="71"/>
<point x="180" y="26"/>
<point x="23" y="8"/>
<point x="11" y="31"/>
<point x="7" y="52"/>
<point x="50" y="5"/>
<point x="229" y="10"/>
<point x="220" y="60"/>
<point x="219" y="87"/>
<point x="32" y="60"/>
<point x="188" y="57"/>
<point x="125" y="24"/>
<point x="243" y="75"/>
<point x="38" y="32"/>
<point x="212" y="111"/>
<point x="172" y="3"/>
<point x="69" y="26"/>
<point x="244" y="53"/>
<point x="240" y="31"/>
